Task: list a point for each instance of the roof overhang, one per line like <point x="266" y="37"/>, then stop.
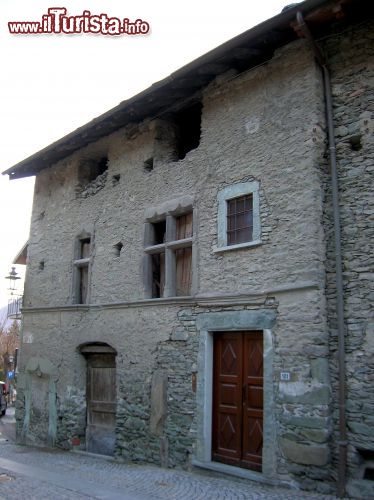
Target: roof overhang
<point x="21" y="256"/>
<point x="246" y="50"/>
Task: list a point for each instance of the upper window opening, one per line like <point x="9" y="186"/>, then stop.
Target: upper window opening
<point x="159" y="232"/>
<point x="169" y="256"/>
<point x="92" y="175"/>
<point x="356" y="142"/>
<point x="81" y="268"/>
<point x="91" y="169"/>
<point x="188" y="123"/>
<point x="98" y="168"/>
<point x="118" y="248"/>
<point x="239" y="223"/>
<point x="115" y="179"/>
<point x="240" y="219"/>
<point x="85" y="248"/>
<point x="148" y="165"/>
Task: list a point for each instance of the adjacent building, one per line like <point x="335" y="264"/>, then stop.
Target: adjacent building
<point x="183" y="303"/>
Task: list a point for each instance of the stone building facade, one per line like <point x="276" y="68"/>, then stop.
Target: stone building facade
<point x="130" y="261"/>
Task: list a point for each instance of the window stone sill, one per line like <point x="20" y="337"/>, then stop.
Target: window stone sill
<point x="239" y="246"/>
<point x="233" y="298"/>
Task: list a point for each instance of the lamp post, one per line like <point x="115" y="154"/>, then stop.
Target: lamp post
<point x="10" y="360"/>
<point x="12" y="277"/>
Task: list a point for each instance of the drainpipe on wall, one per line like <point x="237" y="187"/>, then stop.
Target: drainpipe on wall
<point x="338" y="259"/>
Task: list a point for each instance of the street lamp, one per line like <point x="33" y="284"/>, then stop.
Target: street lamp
<point x="13" y="277"/>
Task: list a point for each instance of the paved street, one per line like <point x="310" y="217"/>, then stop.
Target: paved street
<point x="30" y="473"/>
<point x="7" y="426"/>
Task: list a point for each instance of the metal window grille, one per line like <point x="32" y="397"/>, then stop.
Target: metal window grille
<point x="240" y="220"/>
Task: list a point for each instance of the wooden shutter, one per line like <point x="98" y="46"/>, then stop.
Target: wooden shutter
<point x="183" y="256"/>
<point x="184" y="226"/>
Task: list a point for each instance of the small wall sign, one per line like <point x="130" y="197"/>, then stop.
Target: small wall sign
<point x="285" y="376"/>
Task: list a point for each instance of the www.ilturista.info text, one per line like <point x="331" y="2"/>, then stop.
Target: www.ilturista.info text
<point x="57" y="22"/>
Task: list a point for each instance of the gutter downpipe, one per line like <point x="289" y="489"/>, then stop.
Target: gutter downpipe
<point x="343" y="443"/>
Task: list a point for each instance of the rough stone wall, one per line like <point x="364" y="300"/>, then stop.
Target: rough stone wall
<point x="168" y="343"/>
<point x="351" y="59"/>
<point x="134" y="333"/>
<point x="264" y="125"/>
<point x="71" y="427"/>
<point x="267" y="123"/>
<point x="303" y="406"/>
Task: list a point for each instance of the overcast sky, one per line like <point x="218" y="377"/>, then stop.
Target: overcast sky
<point x="52" y="84"/>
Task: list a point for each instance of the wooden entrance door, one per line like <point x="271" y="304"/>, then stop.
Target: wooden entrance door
<point x="238" y="399"/>
<point x="101" y="403"/>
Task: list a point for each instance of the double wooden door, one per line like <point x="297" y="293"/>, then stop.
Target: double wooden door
<point x="237" y="436"/>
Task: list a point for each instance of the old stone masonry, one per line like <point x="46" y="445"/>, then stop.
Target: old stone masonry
<point x="200" y="270"/>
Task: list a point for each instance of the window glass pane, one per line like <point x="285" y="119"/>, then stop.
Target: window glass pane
<point x="244" y="235"/>
<point x="231" y="204"/>
<point x="240" y="204"/>
<point x="231" y="222"/>
<point x="231" y="238"/>
<point x="242" y="220"/>
<point x="248" y="202"/>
